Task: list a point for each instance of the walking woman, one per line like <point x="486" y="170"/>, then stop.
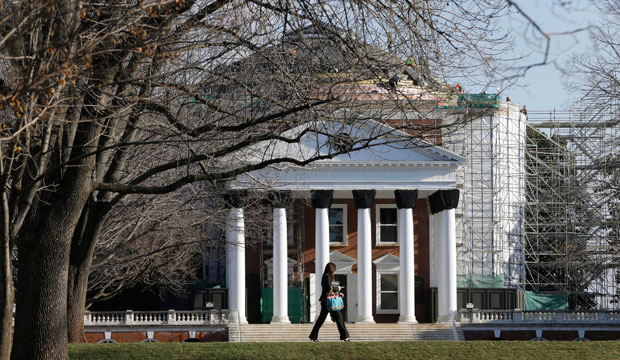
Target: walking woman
<point x="327" y="289"/>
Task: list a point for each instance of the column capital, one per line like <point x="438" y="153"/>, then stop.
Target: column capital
<point x="322" y="199"/>
<point x="443" y="200"/>
<point x="279" y="199"/>
<point x="406" y="199"/>
<point x="236" y="198"/>
<point x="364" y="199"/>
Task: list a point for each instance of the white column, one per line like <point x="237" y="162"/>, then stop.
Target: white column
<point x="235" y="264"/>
<point x="321" y="250"/>
<point x="280" y="268"/>
<point x="407" y="267"/>
<point x="449" y="233"/>
<point x="438" y="262"/>
<point x="447" y="269"/>
<point x="364" y="270"/>
<point x="432" y="251"/>
<point x="440" y="267"/>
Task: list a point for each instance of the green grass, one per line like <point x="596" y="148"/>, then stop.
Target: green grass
<point x="477" y="350"/>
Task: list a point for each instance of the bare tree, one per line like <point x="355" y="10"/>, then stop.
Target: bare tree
<point x="597" y="80"/>
<point x="161" y="241"/>
<point x="597" y="77"/>
<point x="155" y="241"/>
<point x="103" y="100"/>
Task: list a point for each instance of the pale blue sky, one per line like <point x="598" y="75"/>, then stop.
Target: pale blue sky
<point x="544" y="87"/>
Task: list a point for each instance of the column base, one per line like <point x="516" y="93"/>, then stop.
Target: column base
<point x="234" y="319"/>
<point x="280" y="320"/>
<point x="444" y="319"/>
<point x="365" y="320"/>
<point x="407" y="320"/>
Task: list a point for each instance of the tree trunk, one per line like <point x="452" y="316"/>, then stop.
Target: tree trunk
<point x="40" y="318"/>
<point x="6" y="301"/>
<point x="43" y="266"/>
<point x="80" y="261"/>
<point x="7" y="293"/>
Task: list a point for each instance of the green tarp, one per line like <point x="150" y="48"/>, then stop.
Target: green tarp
<point x="295" y="305"/>
<point x="534" y="301"/>
<point x="473" y="281"/>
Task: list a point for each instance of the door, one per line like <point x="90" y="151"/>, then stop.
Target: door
<point x="342" y="279"/>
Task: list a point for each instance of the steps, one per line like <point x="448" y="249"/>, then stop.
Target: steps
<point x="329" y="332"/>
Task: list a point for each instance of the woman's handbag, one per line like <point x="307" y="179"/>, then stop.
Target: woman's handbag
<point x="334" y="303"/>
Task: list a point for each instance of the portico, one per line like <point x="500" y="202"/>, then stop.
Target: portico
<point x="398" y="176"/>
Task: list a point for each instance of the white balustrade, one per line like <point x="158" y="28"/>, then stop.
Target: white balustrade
<point x="170" y="317"/>
<point x="613" y="316"/>
<point x="534" y="317"/>
<point x="475" y="316"/>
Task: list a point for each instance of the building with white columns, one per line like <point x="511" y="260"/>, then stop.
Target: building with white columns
<point x="385" y="216"/>
<point x="388" y="256"/>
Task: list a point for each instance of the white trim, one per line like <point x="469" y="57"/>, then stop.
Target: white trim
<point x="378" y="241"/>
<point x="345" y="231"/>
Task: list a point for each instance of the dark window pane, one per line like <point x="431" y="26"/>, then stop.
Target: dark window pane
<point x="335" y="234"/>
<point x="335" y="216"/>
<point x="388" y="234"/>
<point x="389" y="282"/>
<point x="389" y="301"/>
<point x="387" y="216"/>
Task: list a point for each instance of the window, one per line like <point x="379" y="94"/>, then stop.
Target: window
<point x="387" y="283"/>
<point x="338" y="224"/>
<point x="387" y="224"/>
<point x="149" y="341"/>
<point x="106" y="341"/>
<point x="388" y="293"/>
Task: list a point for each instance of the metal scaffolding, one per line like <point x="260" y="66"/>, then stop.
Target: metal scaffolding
<point x="491" y="209"/>
<point x="572" y="231"/>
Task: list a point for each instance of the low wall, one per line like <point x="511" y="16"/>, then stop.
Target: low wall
<point x="156" y="326"/>
<point x="562" y="325"/>
<point x="156" y="334"/>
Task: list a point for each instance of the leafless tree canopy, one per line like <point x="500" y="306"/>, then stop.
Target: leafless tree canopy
<point x="597" y="73"/>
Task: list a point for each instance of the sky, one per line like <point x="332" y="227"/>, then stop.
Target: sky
<point x="547" y="87"/>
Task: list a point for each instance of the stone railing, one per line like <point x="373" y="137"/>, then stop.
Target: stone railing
<point x="585" y="317"/>
<point x="170" y="317"/>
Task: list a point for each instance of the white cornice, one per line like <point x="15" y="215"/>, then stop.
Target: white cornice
<point x="383" y="164"/>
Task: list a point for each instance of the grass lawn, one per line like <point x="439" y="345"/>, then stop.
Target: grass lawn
<point x="477" y="350"/>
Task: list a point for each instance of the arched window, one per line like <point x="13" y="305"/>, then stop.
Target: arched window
<point x="106" y="341"/>
<point x="192" y="340"/>
<point x="149" y="341"/>
<point x="539" y="339"/>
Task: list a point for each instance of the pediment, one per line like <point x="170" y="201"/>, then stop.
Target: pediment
<point x="385" y="144"/>
<point x="393" y="160"/>
<point x="387" y="262"/>
<point x="344" y="264"/>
